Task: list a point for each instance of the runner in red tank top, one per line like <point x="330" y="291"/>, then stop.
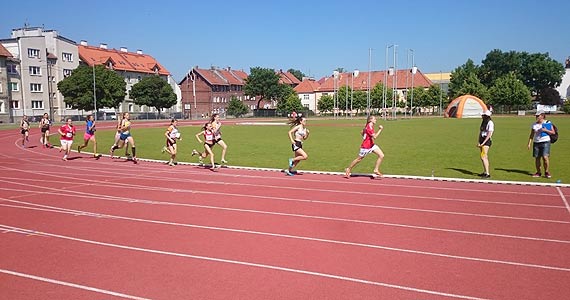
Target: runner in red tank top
<point x="368" y="146"/>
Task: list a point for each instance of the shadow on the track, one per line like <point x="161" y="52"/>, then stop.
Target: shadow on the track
<point x="466" y="172"/>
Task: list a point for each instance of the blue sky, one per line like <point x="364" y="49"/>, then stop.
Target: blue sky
<point x="315" y="37"/>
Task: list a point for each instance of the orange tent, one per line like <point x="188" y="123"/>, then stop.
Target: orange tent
<point x="466" y="106"/>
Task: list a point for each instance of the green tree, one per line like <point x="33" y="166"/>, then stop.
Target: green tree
<point x="153" y="91"/>
<point x="262" y="83"/>
<point x="549" y="96"/>
<point x="377" y="96"/>
<point x="290" y="104"/>
<point x="359" y="101"/>
<point x="510" y="92"/>
<point x="540" y="72"/>
<point x="434" y="96"/>
<point x="498" y="64"/>
<point x="325" y="104"/>
<point x="459" y="76"/>
<point x="298" y="74"/>
<point x="471" y="85"/>
<point x="236" y="107"/>
<point x="77" y="89"/>
<point x="343" y="97"/>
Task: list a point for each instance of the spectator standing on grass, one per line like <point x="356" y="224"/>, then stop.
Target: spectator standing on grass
<point x="45" y="124"/>
<point x="298" y="133"/>
<point x="485" y="132"/>
<point x="540" y="138"/>
<point x="67" y="132"/>
<point x="89" y="135"/>
<point x="172" y="135"/>
<point x="216" y="126"/>
<point x="368" y="146"/>
<point x="208" y="134"/>
<point x="25" y="130"/>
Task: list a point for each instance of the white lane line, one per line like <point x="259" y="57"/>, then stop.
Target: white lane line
<point x="321" y="240"/>
<point x="257" y="265"/>
<point x="95" y="197"/>
<point x="142" y="187"/>
<point x="563" y="199"/>
<point x="73" y="285"/>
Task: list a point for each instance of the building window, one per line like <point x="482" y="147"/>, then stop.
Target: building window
<point x="67" y="56"/>
<point x="37" y="104"/>
<point x="14" y="87"/>
<point x="131" y="108"/>
<point x="1" y="86"/>
<point x="33" y="53"/>
<point x="12" y="69"/>
<point x="15" y="104"/>
<point x="36" y="87"/>
<point x="68" y="106"/>
<point x="34" y="70"/>
<point x="66" y="72"/>
<point x="305" y="96"/>
<point x="2" y="108"/>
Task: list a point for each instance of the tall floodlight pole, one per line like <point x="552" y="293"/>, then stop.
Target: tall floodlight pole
<point x="394" y="84"/>
<point x="94" y="95"/>
<point x="414" y="71"/>
<point x="346" y="98"/>
<point x="369" y="75"/>
<point x="440" y="91"/>
<point x="335" y="96"/>
<point x="354" y="74"/>
<point x="385" y="90"/>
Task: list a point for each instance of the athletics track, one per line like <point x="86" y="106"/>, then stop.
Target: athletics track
<point x="77" y="230"/>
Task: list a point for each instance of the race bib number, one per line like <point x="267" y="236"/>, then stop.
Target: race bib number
<point x="69" y="134"/>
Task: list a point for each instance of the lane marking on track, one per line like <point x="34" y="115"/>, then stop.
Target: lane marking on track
<point x="312" y="239"/>
<point x="73" y="285"/>
<point x="563" y="199"/>
<point x="430" y="211"/>
<point x="257" y="265"/>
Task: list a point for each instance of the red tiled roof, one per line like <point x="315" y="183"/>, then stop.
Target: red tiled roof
<point x="51" y="55"/>
<point x="288" y="78"/>
<point x="4" y="52"/>
<point x="221" y="76"/>
<point x="123" y="61"/>
<point x="404" y="80"/>
<point x="307" y="86"/>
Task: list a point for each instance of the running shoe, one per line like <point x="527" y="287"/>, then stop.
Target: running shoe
<point x="194" y="152"/>
<point x="224" y="161"/>
<point x="78" y="149"/>
<point x="171" y="164"/>
<point x="547" y="175"/>
<point x="290" y="162"/>
<point x="289" y="173"/>
<point x="163" y="149"/>
<point x="536" y="175"/>
<point x="485" y="175"/>
<point x="201" y="160"/>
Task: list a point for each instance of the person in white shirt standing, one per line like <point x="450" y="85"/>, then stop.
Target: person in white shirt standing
<point x="540" y="138"/>
<point x="485" y="133"/>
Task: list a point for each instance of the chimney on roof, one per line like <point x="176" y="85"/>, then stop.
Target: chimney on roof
<point x="103" y="46"/>
<point x="139" y="51"/>
<point x="83" y="43"/>
<point x="229" y="68"/>
<point x="124" y="49"/>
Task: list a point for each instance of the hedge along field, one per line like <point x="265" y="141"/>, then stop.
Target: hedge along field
<point x="419" y="146"/>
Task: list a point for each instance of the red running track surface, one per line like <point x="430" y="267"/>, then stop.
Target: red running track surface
<point x="105" y="229"/>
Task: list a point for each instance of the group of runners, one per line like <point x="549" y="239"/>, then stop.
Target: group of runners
<point x="211" y="134"/>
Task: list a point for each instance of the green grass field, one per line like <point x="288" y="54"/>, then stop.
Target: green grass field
<point x="419" y="146"/>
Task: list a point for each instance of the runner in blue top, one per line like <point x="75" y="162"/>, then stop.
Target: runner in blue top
<point x="89" y="135"/>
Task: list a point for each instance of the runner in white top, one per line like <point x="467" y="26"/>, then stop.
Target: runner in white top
<point x="301" y="133"/>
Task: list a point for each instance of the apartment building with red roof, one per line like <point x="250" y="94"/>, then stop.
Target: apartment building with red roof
<point x="133" y="67"/>
<point x="208" y="91"/>
<point x="311" y="91"/>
